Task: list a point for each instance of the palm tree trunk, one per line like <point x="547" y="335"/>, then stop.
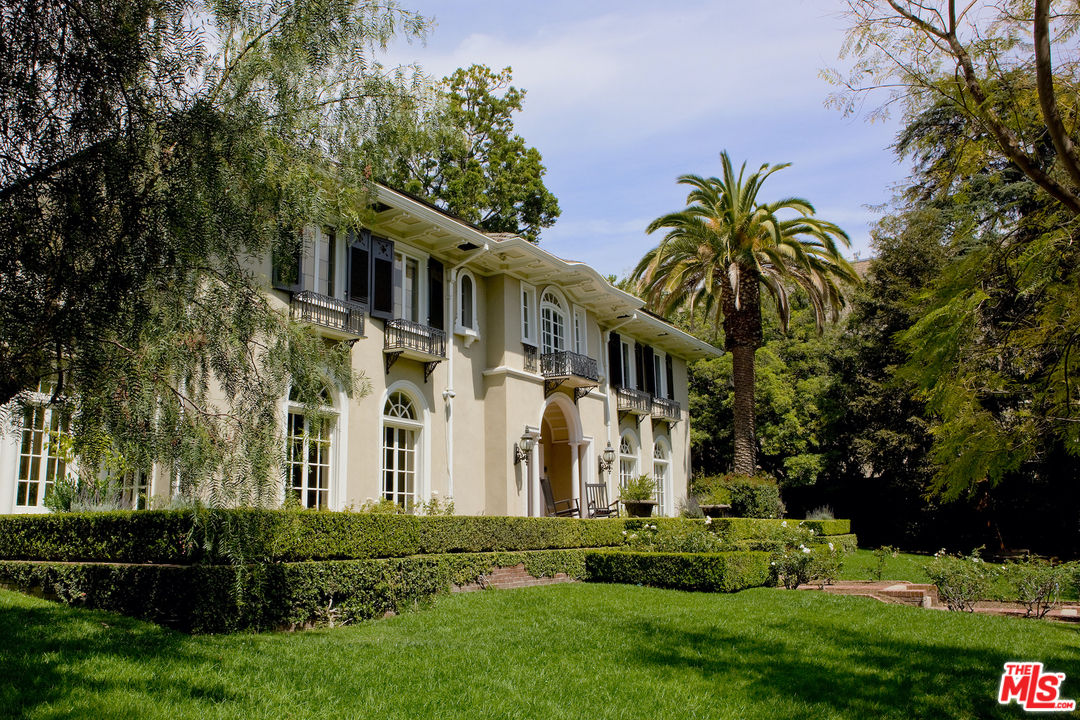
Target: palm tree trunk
<point x="742" y="336"/>
<point x="742" y="360"/>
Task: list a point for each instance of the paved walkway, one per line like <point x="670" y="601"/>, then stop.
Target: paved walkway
<point x="926" y="596"/>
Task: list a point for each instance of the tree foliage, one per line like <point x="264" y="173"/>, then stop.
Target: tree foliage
<point x="151" y="153"/>
<point x="466" y="159"/>
<point x="721" y="250"/>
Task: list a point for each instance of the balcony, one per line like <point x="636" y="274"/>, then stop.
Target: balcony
<point x="665" y="410"/>
<point x="344" y="320"/>
<point x="570" y="369"/>
<point x="414" y="341"/>
<point x="633" y="402"/>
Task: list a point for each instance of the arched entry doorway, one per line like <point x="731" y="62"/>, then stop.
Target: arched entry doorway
<point x="560" y="451"/>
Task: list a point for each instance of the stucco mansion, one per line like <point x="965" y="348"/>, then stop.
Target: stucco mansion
<point x="477" y="347"/>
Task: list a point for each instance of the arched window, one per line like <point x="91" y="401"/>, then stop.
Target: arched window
<point x="467" y="302"/>
<point x="41" y="463"/>
<point x="401" y="428"/>
<point x="627" y="459"/>
<point x="661" y="463"/>
<point x="552" y="323"/>
<point x="308" y="452"/>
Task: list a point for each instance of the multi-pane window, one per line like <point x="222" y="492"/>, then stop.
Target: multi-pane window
<point x="627" y="460"/>
<point x="399" y="450"/>
<point x="580" y="341"/>
<point x="327" y="261"/>
<point x="135" y="490"/>
<point x="660" y="474"/>
<point x="40" y="462"/>
<point x="627" y="366"/>
<point x="308" y="457"/>
<point x="552" y="324"/>
<point x="407" y="302"/>
<point x="658" y="373"/>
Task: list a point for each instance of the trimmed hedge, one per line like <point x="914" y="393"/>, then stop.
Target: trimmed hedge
<point x="710" y="572"/>
<point x="219" y="598"/>
<point x="293" y="536"/>
<point x="289" y="536"/>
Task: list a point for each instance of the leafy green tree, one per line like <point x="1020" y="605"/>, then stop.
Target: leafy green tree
<point x="466" y="159"/>
<point x="720" y="251"/>
<point x="149" y="151"/>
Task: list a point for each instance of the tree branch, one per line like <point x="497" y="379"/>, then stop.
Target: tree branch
<point x="1044" y="79"/>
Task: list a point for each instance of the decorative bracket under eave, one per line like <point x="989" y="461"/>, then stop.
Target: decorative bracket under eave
<point x="671" y="423"/>
<point x="549" y="387"/>
<point x="429" y="367"/>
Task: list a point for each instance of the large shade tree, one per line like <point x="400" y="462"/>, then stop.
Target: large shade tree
<point x="717" y="255"/>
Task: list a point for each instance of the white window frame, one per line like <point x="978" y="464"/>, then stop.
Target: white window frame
<point x="45" y="457"/>
<point x="580" y="330"/>
<point x="628" y="461"/>
<point x="629" y="365"/>
<point x="564" y="311"/>
<point x="662" y="473"/>
<point x="420" y="426"/>
<point x="333" y="460"/>
<point x="529" y="333"/>
<point x="470" y="333"/>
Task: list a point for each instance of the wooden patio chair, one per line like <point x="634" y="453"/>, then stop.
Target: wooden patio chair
<point x="571" y="509"/>
<point x="596" y="497"/>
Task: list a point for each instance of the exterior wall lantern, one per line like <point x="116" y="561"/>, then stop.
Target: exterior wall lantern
<point x="524" y="447"/>
<point x="607" y="459"/>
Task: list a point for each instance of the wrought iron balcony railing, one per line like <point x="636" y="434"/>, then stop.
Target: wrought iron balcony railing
<point x="406" y="335"/>
<point x="345" y="317"/>
<point x="529" y="351"/>
<point x="633" y="401"/>
<point x="664" y="409"/>
<point x="569" y="365"/>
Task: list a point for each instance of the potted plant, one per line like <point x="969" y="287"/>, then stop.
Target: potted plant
<point x="715" y="502"/>
<point x="637" y="496"/>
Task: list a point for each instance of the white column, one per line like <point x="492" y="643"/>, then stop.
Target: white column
<point x="575" y="474"/>
<point x="536" y="500"/>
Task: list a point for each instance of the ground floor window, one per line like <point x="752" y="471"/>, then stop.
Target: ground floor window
<point x="40" y="460"/>
<point x="135" y="490"/>
<point x="401" y="429"/>
<point x="660" y="475"/>
<point x="627" y="460"/>
<point x="308" y="461"/>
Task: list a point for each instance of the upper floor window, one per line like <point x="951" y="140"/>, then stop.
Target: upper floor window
<point x="313" y="265"/>
<point x="552" y="323"/>
<point x="658" y="374"/>
<point x="467" y="302"/>
<point x="406" y="287"/>
<point x="581" y="344"/>
<point x="528" y="314"/>
<point x="626" y="363"/>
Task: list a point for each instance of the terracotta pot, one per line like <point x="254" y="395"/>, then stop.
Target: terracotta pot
<point x="639" y="508"/>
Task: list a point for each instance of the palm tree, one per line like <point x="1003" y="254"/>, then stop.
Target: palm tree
<point x="721" y="250"/>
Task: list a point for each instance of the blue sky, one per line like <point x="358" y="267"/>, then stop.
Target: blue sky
<point x="623" y="97"/>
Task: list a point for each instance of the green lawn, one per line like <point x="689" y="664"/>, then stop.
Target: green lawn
<point x="902" y="567"/>
<point x="565" y="651"/>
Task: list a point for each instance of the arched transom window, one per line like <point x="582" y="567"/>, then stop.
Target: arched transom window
<point x="401" y="427"/>
<point x="552" y="324"/>
<point x="308" y="452"/>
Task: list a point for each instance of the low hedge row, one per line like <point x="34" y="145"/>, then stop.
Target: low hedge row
<point x="220" y="598"/>
<point x="293" y="536"/>
<point x="711" y="572"/>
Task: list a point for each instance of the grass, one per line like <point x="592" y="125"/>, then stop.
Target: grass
<point x="565" y="651"/>
<point x="902" y="567"/>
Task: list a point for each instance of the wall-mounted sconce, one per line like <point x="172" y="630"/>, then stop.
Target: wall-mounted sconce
<point x="523" y="447"/>
<point x="607" y="459"/>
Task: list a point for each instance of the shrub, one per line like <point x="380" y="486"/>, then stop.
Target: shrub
<point x="961" y="581"/>
<point x="750" y="496"/>
<point x="824" y="512"/>
<point x="676" y="538"/>
<point x="711" y="572"/>
<point x="881" y="556"/>
<point x="1038" y="584"/>
<point x="799" y="555"/>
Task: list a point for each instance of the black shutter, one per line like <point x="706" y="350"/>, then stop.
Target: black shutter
<point x="614" y="345"/>
<point x="435" y="294"/>
<point x="639" y="366"/>
<point x="382" y="278"/>
<point x="359" y="267"/>
<point x="670" y="379"/>
<point x="650" y="369"/>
